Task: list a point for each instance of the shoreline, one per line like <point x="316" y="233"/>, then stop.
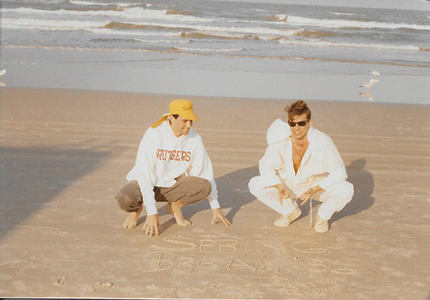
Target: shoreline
<point x="197" y="97"/>
<point x="160" y="73"/>
<point x="177" y="51"/>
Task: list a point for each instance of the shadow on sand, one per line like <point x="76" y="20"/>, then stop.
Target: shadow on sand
<point x="363" y="189"/>
<point x="234" y="194"/>
<point x="31" y="177"/>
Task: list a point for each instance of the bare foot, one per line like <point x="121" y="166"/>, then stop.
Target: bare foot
<point x="131" y="220"/>
<point x="175" y="209"/>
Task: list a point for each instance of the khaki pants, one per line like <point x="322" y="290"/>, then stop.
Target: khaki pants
<point x="188" y="189"/>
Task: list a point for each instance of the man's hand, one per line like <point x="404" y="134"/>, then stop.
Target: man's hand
<point x="151" y="225"/>
<point x="282" y="192"/>
<point x="217" y="216"/>
<point x="306" y="196"/>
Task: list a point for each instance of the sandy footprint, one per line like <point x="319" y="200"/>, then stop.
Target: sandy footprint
<point x="102" y="286"/>
<point x="58" y="281"/>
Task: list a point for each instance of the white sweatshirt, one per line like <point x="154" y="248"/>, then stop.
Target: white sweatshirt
<point x="321" y="165"/>
<point x="162" y="157"/>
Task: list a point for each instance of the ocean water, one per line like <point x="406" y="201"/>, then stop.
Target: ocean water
<point x="221" y="28"/>
<point x="223" y="36"/>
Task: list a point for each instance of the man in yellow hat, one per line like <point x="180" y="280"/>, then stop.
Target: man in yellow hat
<point x="172" y="166"/>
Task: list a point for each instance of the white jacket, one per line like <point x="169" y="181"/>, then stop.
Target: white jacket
<point x="162" y="157"/>
<point x="321" y="165"/>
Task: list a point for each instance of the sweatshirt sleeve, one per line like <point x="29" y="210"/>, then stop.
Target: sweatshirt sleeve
<point x="201" y="166"/>
<point x="335" y="167"/>
<point x="144" y="169"/>
<point x="270" y="164"/>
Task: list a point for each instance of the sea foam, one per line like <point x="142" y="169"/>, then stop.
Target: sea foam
<point x="320" y="43"/>
<point x="300" y="21"/>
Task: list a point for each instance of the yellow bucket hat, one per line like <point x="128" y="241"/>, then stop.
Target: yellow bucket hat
<point x="181" y="107"/>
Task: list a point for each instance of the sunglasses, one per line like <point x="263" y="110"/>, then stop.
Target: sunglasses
<point x="301" y="123"/>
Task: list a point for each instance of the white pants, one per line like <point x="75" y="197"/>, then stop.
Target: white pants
<point x="333" y="200"/>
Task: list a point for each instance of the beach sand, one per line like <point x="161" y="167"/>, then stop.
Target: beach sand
<point x="65" y="154"/>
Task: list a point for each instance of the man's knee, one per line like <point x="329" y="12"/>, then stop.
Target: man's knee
<point x="205" y="188"/>
<point x="129" y="197"/>
<point x="254" y="186"/>
<point x="344" y="189"/>
<point x="194" y="189"/>
<point x="348" y="189"/>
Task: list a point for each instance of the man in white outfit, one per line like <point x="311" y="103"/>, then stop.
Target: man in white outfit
<point x="303" y="163"/>
<point x="172" y="166"/>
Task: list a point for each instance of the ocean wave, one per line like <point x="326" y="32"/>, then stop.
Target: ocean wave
<point x="339" y="23"/>
<point x="282" y="18"/>
<point x="121" y="25"/>
<point x="185" y="32"/>
<point x="200" y="35"/>
<point x="179" y="12"/>
<point x="50" y="24"/>
<point x="162" y="41"/>
<point x="114" y="40"/>
<point x="341" y="14"/>
<point x="240" y="31"/>
<point x="136" y="12"/>
<point x="207" y="49"/>
<point x="107" y="31"/>
<point x="134" y="40"/>
<point x="158" y="28"/>
<point x="328" y="23"/>
<point x="37" y="1"/>
<point x="352" y="45"/>
<point x="84" y="9"/>
<point x="133" y="13"/>
<point x="73" y="48"/>
<point x="221" y="31"/>
<point x="314" y="33"/>
<point x="60" y="12"/>
<point x="87" y="3"/>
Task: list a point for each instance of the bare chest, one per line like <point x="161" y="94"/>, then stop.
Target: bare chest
<point x="298" y="153"/>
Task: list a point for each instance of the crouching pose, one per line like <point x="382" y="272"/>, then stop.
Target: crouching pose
<point x="172" y="166"/>
<point x="303" y="163"/>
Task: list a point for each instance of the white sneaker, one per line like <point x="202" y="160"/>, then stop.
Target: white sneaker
<point x="321" y="226"/>
<point x="286" y="220"/>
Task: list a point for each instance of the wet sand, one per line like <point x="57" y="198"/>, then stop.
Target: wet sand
<point x="65" y="154"/>
<point x="233" y="77"/>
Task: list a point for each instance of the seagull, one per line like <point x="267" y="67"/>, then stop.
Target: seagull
<point x="368" y="95"/>
<point x="374" y="73"/>
<point x="369" y="84"/>
<point x="2" y="72"/>
<point x="372" y="81"/>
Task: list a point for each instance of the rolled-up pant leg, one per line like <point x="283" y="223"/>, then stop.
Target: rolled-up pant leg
<point x="129" y="197"/>
<point x="188" y="189"/>
<point x="269" y="196"/>
<point x="334" y="199"/>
